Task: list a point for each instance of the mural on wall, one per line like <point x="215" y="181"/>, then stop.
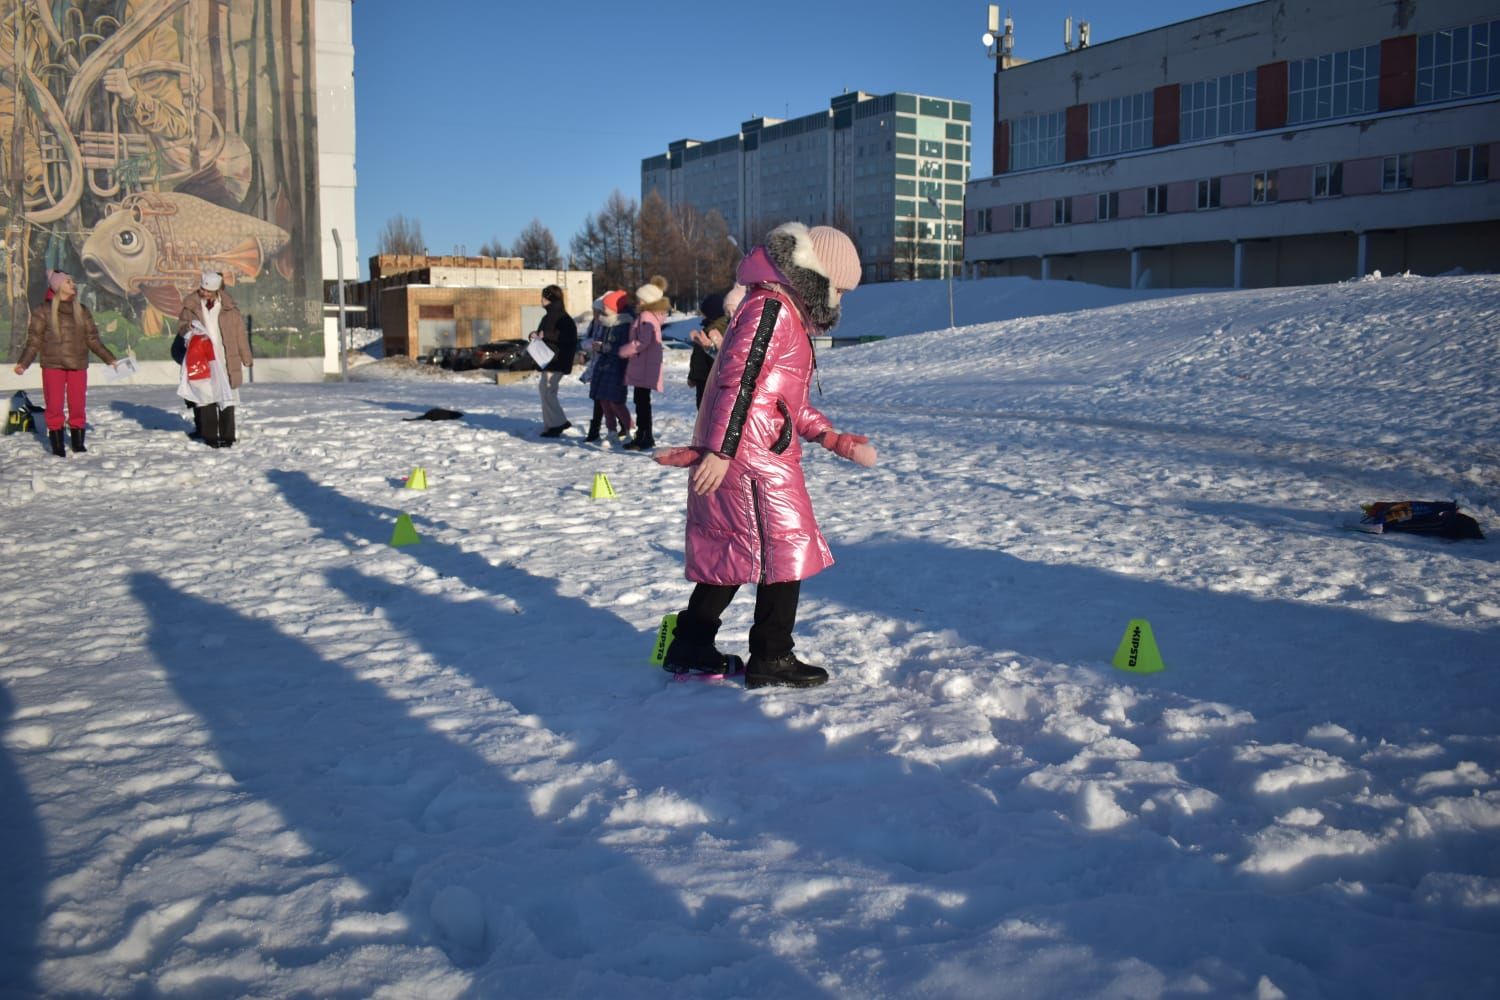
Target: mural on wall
<point x="143" y="141"/>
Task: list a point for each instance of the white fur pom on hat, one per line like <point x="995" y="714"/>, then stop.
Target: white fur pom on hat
<point x="652" y="291"/>
<point x="211" y="281"/>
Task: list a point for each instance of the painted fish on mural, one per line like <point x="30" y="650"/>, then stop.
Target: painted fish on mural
<point x="156" y="244"/>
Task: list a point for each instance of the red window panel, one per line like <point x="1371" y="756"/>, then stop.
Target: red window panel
<point x="1398" y="72"/>
<point x="1076" y="143"/>
<point x="1166" y="122"/>
<point x="1270" y="95"/>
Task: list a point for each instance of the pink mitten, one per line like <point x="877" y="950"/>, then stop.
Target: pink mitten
<point x="679" y="457"/>
<point x="854" y="447"/>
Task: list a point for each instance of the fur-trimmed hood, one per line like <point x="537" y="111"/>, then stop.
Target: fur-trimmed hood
<point x="790" y="250"/>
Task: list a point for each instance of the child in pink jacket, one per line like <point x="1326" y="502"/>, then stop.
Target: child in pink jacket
<point x="749" y="518"/>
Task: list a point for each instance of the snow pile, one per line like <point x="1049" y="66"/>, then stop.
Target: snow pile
<point x="247" y="748"/>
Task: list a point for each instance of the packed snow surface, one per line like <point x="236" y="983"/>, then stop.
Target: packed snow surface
<point x="250" y="749"/>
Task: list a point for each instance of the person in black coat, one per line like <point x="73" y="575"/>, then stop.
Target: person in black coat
<point x="560" y="333"/>
<point x="706" y="341"/>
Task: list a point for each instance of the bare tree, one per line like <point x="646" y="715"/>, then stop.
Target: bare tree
<point x="659" y="238"/>
<point x="493" y="248"/>
<point x="537" y="248"/>
<point x="609" y="244"/>
<point x="402" y="235"/>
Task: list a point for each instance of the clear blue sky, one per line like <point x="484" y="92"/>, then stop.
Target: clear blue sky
<point x="475" y="116"/>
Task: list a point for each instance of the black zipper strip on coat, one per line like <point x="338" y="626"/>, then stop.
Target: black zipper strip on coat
<point x="760" y="528"/>
<point x="753" y="362"/>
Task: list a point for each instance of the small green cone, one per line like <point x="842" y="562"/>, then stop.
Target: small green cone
<point x="664" y="635"/>
<point x="417" y="480"/>
<point x="1138" y="653"/>
<point x="405" y="533"/>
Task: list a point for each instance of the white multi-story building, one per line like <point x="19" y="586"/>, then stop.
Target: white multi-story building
<point x="888" y="170"/>
<point x="1281" y="142"/>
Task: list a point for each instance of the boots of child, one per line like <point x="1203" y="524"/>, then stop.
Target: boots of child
<point x="207" y="419"/>
<point x="77" y="435"/>
<point x="226" y="427"/>
<point x="55" y="439"/>
<point x="785" y="670"/>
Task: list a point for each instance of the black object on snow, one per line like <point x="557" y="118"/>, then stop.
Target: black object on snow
<point x="1419" y="517"/>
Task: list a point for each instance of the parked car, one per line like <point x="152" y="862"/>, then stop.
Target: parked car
<point x="501" y="355"/>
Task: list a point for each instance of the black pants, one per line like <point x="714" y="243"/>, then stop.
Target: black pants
<point x="643" y="418"/>
<point x="215" y="424"/>
<point x="775" y="616"/>
<point x="698" y="387"/>
<point x="595" y="420"/>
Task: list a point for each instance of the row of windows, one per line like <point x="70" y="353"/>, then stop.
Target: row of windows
<point x="1461" y="62"/>
<point x="1120" y="125"/>
<point x="1451" y="65"/>
<point x="1471" y="165"/>
<point x="1332" y="86"/>
<point x="1224" y="105"/>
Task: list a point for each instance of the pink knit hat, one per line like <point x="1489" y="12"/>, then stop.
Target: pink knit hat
<point x="837" y="255"/>
<point x="56" y="278"/>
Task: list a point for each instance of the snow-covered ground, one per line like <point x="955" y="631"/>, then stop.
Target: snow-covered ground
<point x="247" y="748"/>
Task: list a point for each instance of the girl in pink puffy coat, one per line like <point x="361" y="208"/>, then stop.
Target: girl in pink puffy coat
<point x="643" y="351"/>
<point x="749" y="518"/>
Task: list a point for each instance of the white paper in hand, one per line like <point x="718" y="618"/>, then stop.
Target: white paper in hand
<point x="123" y="368"/>
<point x="540" y="353"/>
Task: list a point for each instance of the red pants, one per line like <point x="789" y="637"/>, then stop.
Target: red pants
<point x="62" y="384"/>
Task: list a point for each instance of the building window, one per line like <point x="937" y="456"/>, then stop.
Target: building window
<point x="1156" y="200"/>
<point x="1208" y="193"/>
<point x="982" y="220"/>
<point x="1224" y="105"/>
<point x="1022" y="218"/>
<point x="1333" y="86"/>
<point x="1471" y="164"/>
<point x="1458" y="63"/>
<point x="1037" y="142"/>
<point x="1108" y="207"/>
<point x="1263" y="187"/>
<point x="1062" y="211"/>
<point x="1396" y="173"/>
<point x="1120" y="125"/>
<point x="1328" y="180"/>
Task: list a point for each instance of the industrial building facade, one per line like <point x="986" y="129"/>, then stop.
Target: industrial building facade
<point x="889" y="170"/>
<point x="1282" y="142"/>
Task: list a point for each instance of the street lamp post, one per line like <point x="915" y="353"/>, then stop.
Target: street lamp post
<point x="947" y="257"/>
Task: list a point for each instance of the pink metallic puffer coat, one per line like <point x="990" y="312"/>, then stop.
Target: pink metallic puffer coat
<point x="758" y="526"/>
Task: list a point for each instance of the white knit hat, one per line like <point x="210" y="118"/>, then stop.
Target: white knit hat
<point x="211" y="281"/>
<point x="652" y="291"/>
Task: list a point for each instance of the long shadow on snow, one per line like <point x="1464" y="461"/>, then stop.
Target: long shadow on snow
<point x="23" y="873"/>
<point x="406" y="813"/>
<point x="153" y="418"/>
<point x="571" y="665"/>
<point x="1330" y="526"/>
<point x="1217" y="647"/>
<point x="560" y="660"/>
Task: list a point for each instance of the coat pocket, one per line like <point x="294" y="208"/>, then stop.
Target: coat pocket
<point x="784" y="439"/>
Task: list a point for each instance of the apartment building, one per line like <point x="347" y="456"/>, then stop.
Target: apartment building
<point x="1281" y="142"/>
<point x="889" y="170"/>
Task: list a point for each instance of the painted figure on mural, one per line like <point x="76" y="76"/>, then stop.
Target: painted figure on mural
<point x="131" y="118"/>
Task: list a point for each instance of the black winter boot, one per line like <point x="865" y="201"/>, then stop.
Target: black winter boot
<point x="226" y="426"/>
<point x="685" y="657"/>
<point x="55" y="439"/>
<point x="76" y="433"/>
<point x="786" y="670"/>
<point x="208" y="423"/>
